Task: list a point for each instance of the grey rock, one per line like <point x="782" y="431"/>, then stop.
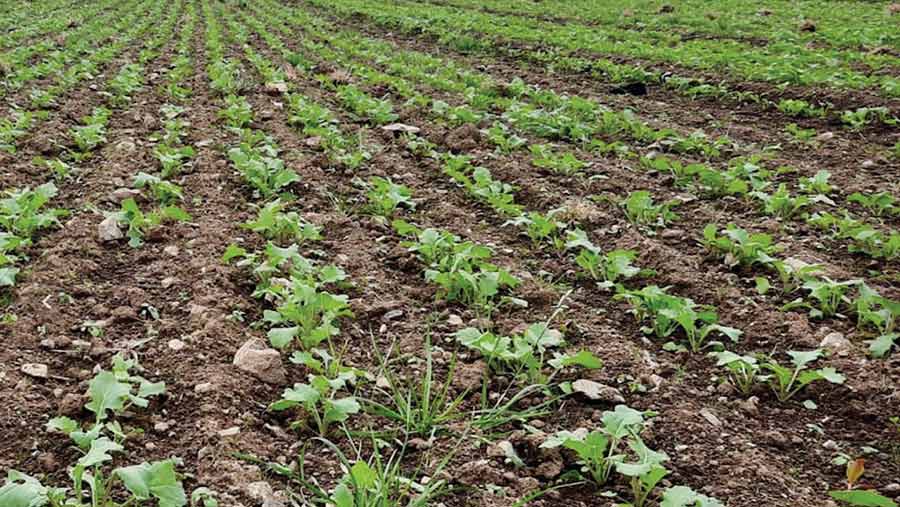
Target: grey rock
<point x="596" y="391"/>
<point x="264" y="363"/>
<point x="36" y="370"/>
<point x="108" y="230"/>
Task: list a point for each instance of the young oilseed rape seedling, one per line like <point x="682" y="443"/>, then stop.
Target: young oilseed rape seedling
<point x="319" y="402"/>
<point x="641" y="210"/>
<point x="273" y="223"/>
<point x="607" y="268"/>
<point x="385" y="196"/>
<point x="237" y="112"/>
<point x="743" y="370"/>
<point x="506" y="141"/>
<point x="522" y="354"/>
<point x="599" y="451"/>
<point x="786" y="382"/>
<point x="156" y="483"/>
<point x="140" y="223"/>
<point x="825" y="297"/>
<point x="566" y="163"/>
<point x="879" y="204"/>
<point x="781" y="204"/>
<point x="880" y="313"/>
<point x="739" y="246"/>
<point x="542" y="228"/>
<point x="165" y="192"/>
<point x="817" y="185"/>
<point x="668" y="313"/>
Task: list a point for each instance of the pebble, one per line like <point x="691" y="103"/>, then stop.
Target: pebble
<point x="257" y="359"/>
<point x="171" y="251"/>
<point x="204" y="387"/>
<point x="108" y="229"/>
<point x="836" y="343"/>
<point x="710" y="417"/>
<point x="176" y="344"/>
<point x="229" y="432"/>
<point x="596" y="391"/>
<point x="892" y="489"/>
<point x="36" y="370"/>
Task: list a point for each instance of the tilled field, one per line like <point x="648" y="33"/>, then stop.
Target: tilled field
<point x="387" y="253"/>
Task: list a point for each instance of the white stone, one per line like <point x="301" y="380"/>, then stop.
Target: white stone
<point x="108" y="229"/>
<point x="264" y="363"/>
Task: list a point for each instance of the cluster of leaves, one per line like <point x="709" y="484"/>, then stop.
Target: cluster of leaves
<point x="128" y="81"/>
<point x="319" y="123"/>
<point x="863" y="237"/>
<point x="738" y="180"/>
<point x="609" y="269"/>
<point x="378" y="111"/>
<point x="667" y="313"/>
<point x="617" y="447"/>
<point x="566" y="163"/>
<point x="22" y="214"/>
<point x="276" y="224"/>
<point x="863" y="116"/>
<point x="641" y="210"/>
<point x="303" y="310"/>
<point x="799" y="107"/>
<point x="139" y="223"/>
<point x="225" y="77"/>
<point x="781" y="204"/>
<point x="480" y="184"/>
<point x="256" y="159"/>
<point x="317" y="400"/>
<point x="385" y="196"/>
<point x="172" y="154"/>
<point x="740" y="247"/>
<point x="525" y="354"/>
<point x="461" y="269"/>
<point x="744" y="372"/>
<point x="91" y="133"/>
<point x="12" y="128"/>
<point x="110" y="392"/>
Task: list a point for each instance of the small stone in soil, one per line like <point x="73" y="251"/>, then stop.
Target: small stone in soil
<point x="596" y="391"/>
<point x="37" y="370"/>
<point x="229" y="432"/>
<point x="108" y="230"/>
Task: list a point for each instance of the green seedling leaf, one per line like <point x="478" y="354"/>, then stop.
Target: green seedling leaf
<point x="154" y="480"/>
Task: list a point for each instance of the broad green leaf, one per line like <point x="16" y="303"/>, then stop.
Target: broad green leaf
<point x="99" y="452"/>
<point x="175" y="213"/>
<point x="678" y="496"/>
<point x="8" y="276"/>
<point x="22" y="490"/>
<point x="341" y="409"/>
<point x="879" y="347"/>
<point x="619" y="421"/>
<point x="801" y="359"/>
<point x="342" y="496"/>
<point x="863" y="498"/>
<point x="831" y="375"/>
<point x="157" y="480"/>
<point x="762" y="284"/>
<point x="582" y="358"/>
<point x="233" y="251"/>
<point x="281" y="337"/>
<point x="107" y="393"/>
<point x="363" y="475"/>
<point x="63" y="425"/>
